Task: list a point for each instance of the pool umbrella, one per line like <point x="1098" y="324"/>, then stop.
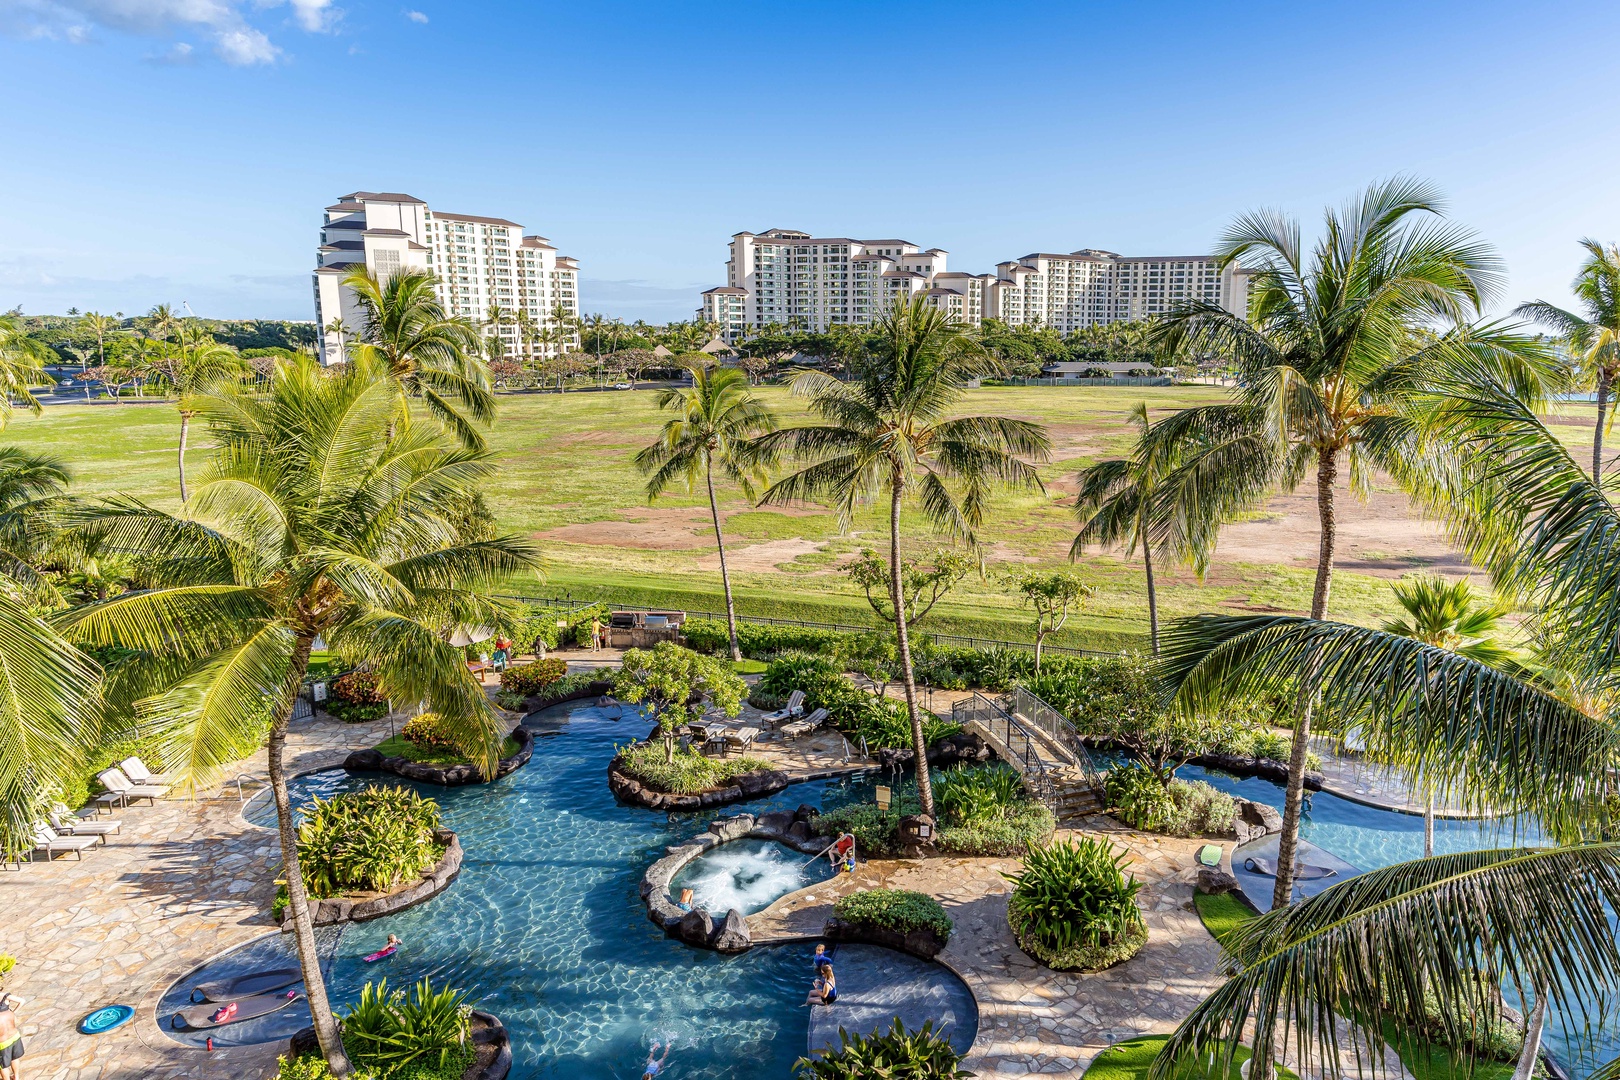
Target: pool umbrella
<point x="470" y="635"/>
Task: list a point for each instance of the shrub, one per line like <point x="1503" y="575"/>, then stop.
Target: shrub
<point x="510" y="701"/>
<point x="1263" y="742"/>
<point x="689" y="773"/>
<point x="370" y="839"/>
<point x="921" y="1055"/>
<point x="800" y="671"/>
<point x="423" y="1033"/>
<point x="530" y="679"/>
<point x="758" y="641"/>
<point x="313" y="1067"/>
<point x="900" y="910"/>
<point x="1020" y="826"/>
<point x="1074" y="908"/>
<point x="569" y="685"/>
<point x="1201" y="809"/>
<point x="428" y="731"/>
<point x="976" y="793"/>
<point x="1134" y="794"/>
<point x="357" y="698"/>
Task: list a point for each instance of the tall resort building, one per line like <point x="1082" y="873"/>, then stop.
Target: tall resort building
<point x="477" y="262"/>
<point x="814" y="282"/>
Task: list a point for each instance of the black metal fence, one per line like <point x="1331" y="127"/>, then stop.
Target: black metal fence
<point x="959" y="640"/>
<point x="1011" y="733"/>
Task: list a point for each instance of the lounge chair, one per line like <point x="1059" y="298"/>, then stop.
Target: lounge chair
<point x="794" y="707"/>
<point x="115" y="780"/>
<point x="63" y="821"/>
<point x="741" y="739"/>
<point x="136" y="770"/>
<point x="47" y="840"/>
<point x="805" y="726"/>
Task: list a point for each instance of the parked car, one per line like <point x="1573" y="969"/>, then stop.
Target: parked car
<point x="621" y="386"/>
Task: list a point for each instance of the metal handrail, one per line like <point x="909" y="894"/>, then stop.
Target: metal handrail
<point x="1021" y="702"/>
<point x="1012" y="734"/>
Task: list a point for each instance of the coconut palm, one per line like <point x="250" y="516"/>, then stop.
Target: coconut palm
<point x="191" y="364"/>
<point x="1594" y="336"/>
<point x="431" y="355"/>
<point x="22" y="365"/>
<point x="1168" y="498"/>
<point x="717" y="418"/>
<point x="33" y="491"/>
<point x="1395" y="943"/>
<point x="1333" y="345"/>
<point x="319" y="516"/>
<point x="100" y="325"/>
<point x="889" y="433"/>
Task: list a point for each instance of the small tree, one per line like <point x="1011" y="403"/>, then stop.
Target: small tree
<point x="633" y="362"/>
<point x="922" y="583"/>
<point x="671" y="682"/>
<point x="1053" y="596"/>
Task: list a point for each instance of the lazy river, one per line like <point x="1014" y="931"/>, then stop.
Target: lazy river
<point x="545" y="927"/>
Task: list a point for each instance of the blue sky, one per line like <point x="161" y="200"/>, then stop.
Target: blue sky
<point x="168" y="150"/>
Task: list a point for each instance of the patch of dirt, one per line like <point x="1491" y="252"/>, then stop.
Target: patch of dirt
<point x="650" y="530"/>
<point x="761" y="557"/>
<point x="1000" y="552"/>
<point x="579" y="437"/>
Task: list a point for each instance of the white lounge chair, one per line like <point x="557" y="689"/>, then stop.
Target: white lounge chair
<point x="805" y="726"/>
<point x="741" y="739"/>
<point x="63" y="821"/>
<point x="794" y="707"/>
<point x="115" y="780"/>
<point x="136" y="770"/>
<point x="47" y="840"/>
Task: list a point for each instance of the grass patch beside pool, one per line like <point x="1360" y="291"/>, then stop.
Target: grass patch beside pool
<point x="1221" y="914"/>
<point x="749" y="667"/>
<point x="400" y="746"/>
<point x="1131" y="1059"/>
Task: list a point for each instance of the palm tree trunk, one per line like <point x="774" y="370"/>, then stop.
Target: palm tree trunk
<point x="309" y="960"/>
<point x="1597" y="436"/>
<point x="1153" y="599"/>
<point x="1428" y="828"/>
<point x="1327" y="469"/>
<point x="185" y="427"/>
<point x="925" y="787"/>
<point x="1532" y="1037"/>
<point x="725" y="575"/>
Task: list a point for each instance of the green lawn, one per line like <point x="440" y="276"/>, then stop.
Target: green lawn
<point x="567" y="479"/>
<point x="400" y="746"/>
<point x="1131" y="1059"/>
<point x="1221" y="913"/>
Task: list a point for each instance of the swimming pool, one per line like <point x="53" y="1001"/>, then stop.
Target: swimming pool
<point x="545" y="926"/>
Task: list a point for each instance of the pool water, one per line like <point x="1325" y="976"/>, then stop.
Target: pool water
<point x="747" y="875"/>
<point x="546" y="929"/>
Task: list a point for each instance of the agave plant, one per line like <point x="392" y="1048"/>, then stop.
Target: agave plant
<point x="896" y="1054"/>
<point x="395" y="1032"/>
<point x="1074" y="896"/>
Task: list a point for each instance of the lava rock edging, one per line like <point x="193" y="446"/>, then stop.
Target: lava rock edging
<point x="745" y="786"/>
<point x="446" y="775"/>
<point x="339" y="909"/>
<point x="698" y="927"/>
<point x="487" y="1030"/>
<point x="963" y="748"/>
<point x="1243" y="765"/>
<point x="920" y="943"/>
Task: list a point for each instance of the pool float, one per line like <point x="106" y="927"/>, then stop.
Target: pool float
<point x="240" y="986"/>
<point x="381" y="954"/>
<point x="105" y="1019"/>
<point x="216" y="1014"/>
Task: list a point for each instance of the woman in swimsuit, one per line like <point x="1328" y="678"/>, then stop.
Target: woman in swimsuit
<point x="655" y="1063"/>
<point x="826" y="983"/>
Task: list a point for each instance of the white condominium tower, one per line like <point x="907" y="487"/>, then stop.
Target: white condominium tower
<point x="477" y="261"/>
<point x="811" y="283"/>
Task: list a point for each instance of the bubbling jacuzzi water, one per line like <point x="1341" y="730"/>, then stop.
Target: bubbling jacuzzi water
<point x="747" y="875"/>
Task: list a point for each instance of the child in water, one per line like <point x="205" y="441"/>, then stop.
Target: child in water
<point x="655" y="1062"/>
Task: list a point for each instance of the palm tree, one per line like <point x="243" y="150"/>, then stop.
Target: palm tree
<point x="22" y="365"/>
<point x="336" y="325"/>
<point x="194" y="362"/>
<point x="100" y="325"/>
<point x="1165" y="498"/>
<point x="319" y="516"/>
<point x="1334" y="344"/>
<point x="717" y="417"/>
<point x="431" y="355"/>
<point x="888" y="432"/>
<point x="1447" y="615"/>
<point x="33" y="491"/>
<point x="1595" y="336"/>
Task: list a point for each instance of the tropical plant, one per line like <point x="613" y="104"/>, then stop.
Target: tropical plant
<point x="717" y="422"/>
<point x="1053" y="595"/>
<point x="1148" y="500"/>
<point x="923" y="583"/>
<point x="1137" y="796"/>
<point x="896" y="1053"/>
<point x="671" y="683"/>
<point x="1335" y="346"/>
<point x="430" y="355"/>
<point x="1073" y="907"/>
<point x="970" y="794"/>
<point x="1594" y="335"/>
<point x="22" y="365"/>
<point x="888" y="433"/>
<point x="529" y="679"/>
<point x="320" y="515"/>
<point x="371" y="839"/>
<point x="192" y="364"/>
<point x="33" y="493"/>
<point x="686" y="772"/>
<point x="393" y="1032"/>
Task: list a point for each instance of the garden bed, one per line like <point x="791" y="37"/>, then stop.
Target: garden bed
<point x="911" y="922"/>
<point x="487" y="1035"/>
<point x="363" y="907"/>
<point x="427" y="772"/>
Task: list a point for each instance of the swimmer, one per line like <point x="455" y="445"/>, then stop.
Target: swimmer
<point x="393" y="942"/>
<point x="686" y="900"/>
<point x="827" y="983"/>
<point x="655" y="1063"/>
<point x="819" y="958"/>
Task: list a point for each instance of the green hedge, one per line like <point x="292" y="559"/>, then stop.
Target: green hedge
<point x="894" y="909"/>
<point x="529" y="679"/>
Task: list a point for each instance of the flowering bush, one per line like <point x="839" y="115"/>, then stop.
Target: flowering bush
<point x="428" y="731"/>
<point x="530" y="679"/>
<point x="357" y="697"/>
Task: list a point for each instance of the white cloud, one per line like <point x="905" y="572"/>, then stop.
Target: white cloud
<point x="180" y="54"/>
<point x="416" y="16"/>
<point x="236" y="39"/>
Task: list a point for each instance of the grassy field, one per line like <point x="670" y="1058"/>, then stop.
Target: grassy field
<point x="567" y="480"/>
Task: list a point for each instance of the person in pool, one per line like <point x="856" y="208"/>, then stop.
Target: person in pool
<point x="826" y="983"/>
<point x="655" y="1062"/>
<point x="819" y="958"/>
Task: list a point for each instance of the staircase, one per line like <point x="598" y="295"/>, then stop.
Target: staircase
<point x="1037" y="741"/>
<point x="1073" y="798"/>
